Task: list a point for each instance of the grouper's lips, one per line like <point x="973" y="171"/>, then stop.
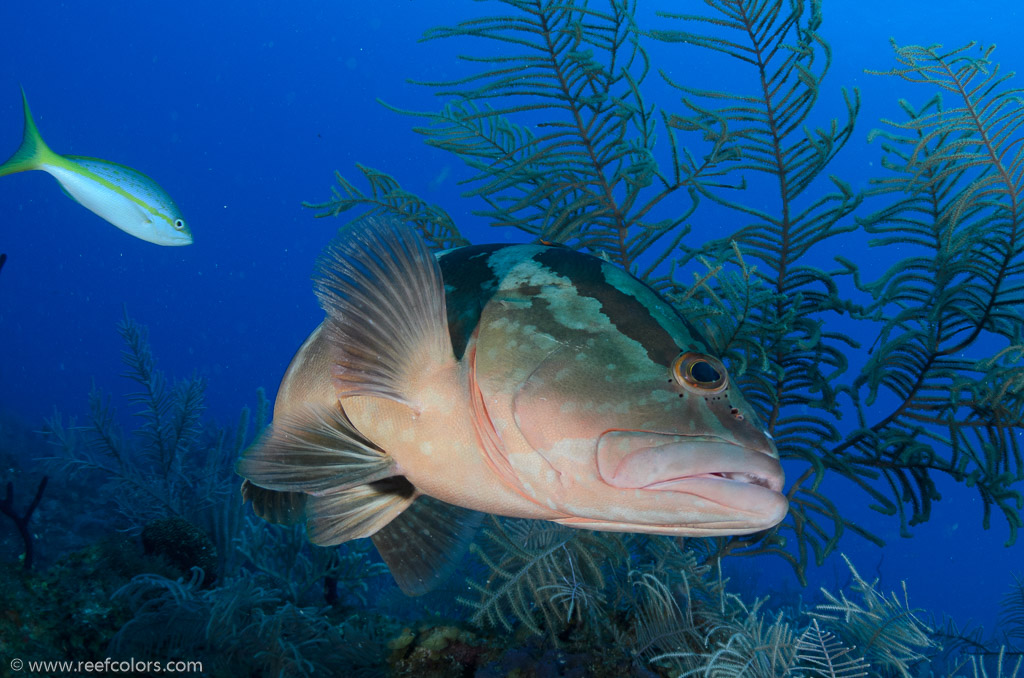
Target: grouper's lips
<point x="734" y="477"/>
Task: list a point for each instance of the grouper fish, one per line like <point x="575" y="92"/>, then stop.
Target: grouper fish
<point x="121" y="195"/>
<point x="521" y="380"/>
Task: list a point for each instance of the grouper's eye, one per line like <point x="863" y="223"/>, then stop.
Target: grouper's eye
<point x="700" y="373"/>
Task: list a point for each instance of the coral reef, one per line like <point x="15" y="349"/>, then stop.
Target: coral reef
<point x="68" y="611"/>
<point x="561" y="144"/>
<point x="183" y="545"/>
<point x="241" y="628"/>
<point x="540" y="600"/>
<point x="172" y="466"/>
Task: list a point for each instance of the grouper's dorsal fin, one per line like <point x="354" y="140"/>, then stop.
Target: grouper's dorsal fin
<point x="384" y="297"/>
<point x="423" y="545"/>
<point x="315" y="450"/>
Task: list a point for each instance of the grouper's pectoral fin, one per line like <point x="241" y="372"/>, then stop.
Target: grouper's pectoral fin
<point x="358" y="511"/>
<point x="314" y="465"/>
<point x="385" y="302"/>
<point x="424" y="544"/>
<point x="316" y="450"/>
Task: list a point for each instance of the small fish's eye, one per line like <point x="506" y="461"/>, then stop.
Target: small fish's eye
<point x="179" y="224"/>
<point x="700" y="372"/>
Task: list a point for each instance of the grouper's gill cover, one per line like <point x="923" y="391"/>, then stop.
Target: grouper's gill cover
<point x="522" y="380"/>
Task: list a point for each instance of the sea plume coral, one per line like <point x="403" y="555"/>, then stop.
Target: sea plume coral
<point x="561" y="142"/>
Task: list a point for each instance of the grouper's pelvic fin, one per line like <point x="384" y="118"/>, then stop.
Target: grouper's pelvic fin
<point x="424" y="544"/>
<point x="315" y="467"/>
<point x="385" y="302"/>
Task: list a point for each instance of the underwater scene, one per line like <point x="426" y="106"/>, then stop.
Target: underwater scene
<point x="611" y="338"/>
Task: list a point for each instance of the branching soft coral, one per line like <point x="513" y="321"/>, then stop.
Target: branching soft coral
<point x="561" y="143"/>
<point x="172" y="465"/>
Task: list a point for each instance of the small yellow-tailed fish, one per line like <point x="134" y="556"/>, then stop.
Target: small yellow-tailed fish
<point x="125" y="197"/>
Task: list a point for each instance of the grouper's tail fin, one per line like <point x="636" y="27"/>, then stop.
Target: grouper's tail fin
<point x="33" y="152"/>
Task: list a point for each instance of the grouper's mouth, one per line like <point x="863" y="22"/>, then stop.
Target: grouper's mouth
<point x="733" y="478"/>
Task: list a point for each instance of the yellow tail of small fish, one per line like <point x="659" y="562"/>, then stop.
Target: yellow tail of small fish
<point x="33" y="152"/>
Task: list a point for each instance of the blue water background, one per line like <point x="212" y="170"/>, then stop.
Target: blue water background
<point x="242" y="111"/>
